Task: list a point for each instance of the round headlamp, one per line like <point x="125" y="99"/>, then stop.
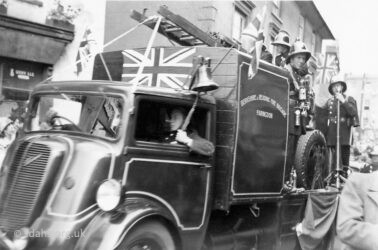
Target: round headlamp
<point x="109" y="195"/>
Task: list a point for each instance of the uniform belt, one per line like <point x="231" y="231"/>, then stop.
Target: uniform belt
<point x="334" y="119"/>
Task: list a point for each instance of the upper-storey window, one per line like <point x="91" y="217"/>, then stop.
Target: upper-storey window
<point x="313" y="43"/>
<point x="239" y="24"/>
<point x="241" y="12"/>
<point x="301" y="27"/>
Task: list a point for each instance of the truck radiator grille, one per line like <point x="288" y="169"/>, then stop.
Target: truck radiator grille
<point x="22" y="187"/>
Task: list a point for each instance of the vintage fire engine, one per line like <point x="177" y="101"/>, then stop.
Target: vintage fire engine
<point x="91" y="170"/>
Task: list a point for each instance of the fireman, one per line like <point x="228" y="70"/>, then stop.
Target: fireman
<point x="300" y="88"/>
<point x="299" y="106"/>
<point x="296" y="62"/>
<point x="348" y="117"/>
<point x="282" y="44"/>
<point x="249" y="37"/>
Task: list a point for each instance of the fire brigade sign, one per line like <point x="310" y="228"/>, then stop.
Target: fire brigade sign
<point x="260" y="97"/>
<point x="261" y="145"/>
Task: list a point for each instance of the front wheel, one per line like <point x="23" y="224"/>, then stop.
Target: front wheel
<point x="150" y="235"/>
<point x="310" y="160"/>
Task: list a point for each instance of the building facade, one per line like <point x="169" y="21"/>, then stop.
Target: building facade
<point x="29" y="48"/>
<point x="39" y="39"/>
<point x="364" y="89"/>
<point x="300" y="18"/>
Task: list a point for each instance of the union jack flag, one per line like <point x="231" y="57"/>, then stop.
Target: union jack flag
<point x="327" y="67"/>
<point x="163" y="67"/>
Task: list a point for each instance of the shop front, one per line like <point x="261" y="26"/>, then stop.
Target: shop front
<point x="28" y="51"/>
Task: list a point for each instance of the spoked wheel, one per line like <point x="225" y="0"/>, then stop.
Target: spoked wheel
<point x="151" y="235"/>
<point x="310" y="160"/>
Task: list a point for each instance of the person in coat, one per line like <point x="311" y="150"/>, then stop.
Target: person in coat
<point x="282" y="44"/>
<point x="357" y="220"/>
<point x="348" y="118"/>
<point x="296" y="63"/>
<point x="191" y="138"/>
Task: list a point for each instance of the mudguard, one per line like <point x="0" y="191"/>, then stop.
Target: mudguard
<point x="107" y="229"/>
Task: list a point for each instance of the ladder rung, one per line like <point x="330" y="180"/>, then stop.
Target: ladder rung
<point x="198" y="43"/>
<point x="184" y="38"/>
<point x="173" y="29"/>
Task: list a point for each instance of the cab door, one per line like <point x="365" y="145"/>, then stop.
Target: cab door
<point x="166" y="171"/>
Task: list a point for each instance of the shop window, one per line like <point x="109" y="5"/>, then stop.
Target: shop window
<point x="19" y="78"/>
<point x="273" y="31"/>
<point x="153" y="121"/>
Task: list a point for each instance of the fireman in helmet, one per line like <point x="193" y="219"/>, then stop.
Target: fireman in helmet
<point x="348" y="117"/>
<point x="296" y="62"/>
<point x="300" y="85"/>
<point x="301" y="94"/>
<point x="282" y="44"/>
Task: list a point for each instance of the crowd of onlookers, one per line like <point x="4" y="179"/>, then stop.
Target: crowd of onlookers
<point x="8" y="132"/>
<point x="361" y="153"/>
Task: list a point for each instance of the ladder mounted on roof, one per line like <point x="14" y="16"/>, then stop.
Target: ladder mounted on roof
<point x="181" y="31"/>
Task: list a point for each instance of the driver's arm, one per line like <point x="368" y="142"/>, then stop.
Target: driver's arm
<point x="196" y="143"/>
<point x="48" y="121"/>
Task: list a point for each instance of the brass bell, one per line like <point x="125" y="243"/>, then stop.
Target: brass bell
<point x="205" y="81"/>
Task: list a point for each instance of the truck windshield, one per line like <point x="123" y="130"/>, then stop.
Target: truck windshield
<point x="97" y="115"/>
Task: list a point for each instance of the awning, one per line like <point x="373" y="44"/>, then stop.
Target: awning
<point x="25" y="40"/>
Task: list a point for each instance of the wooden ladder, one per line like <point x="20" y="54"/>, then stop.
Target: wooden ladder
<point x="178" y="29"/>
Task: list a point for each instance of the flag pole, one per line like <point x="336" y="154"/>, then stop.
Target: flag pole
<point x="338" y="169"/>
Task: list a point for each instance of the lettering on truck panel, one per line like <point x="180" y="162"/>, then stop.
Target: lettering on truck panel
<point x="264" y="98"/>
<point x="264" y="114"/>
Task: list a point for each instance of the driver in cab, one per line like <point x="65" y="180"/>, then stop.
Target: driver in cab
<point x="48" y="121"/>
<point x="54" y="121"/>
<point x="191" y="139"/>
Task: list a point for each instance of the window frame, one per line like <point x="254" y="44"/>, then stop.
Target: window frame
<point x="301" y="27"/>
<point x="35" y="98"/>
<point x="242" y="23"/>
<point x="169" y="102"/>
<point x="313" y="43"/>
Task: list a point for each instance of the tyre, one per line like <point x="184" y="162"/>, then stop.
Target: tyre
<point x="311" y="160"/>
<point x="150" y="235"/>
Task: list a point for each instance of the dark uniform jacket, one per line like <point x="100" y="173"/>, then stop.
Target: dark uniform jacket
<point x="348" y="112"/>
<point x="266" y="55"/>
<point x="280" y="60"/>
<point x="297" y="77"/>
<point x="200" y="145"/>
